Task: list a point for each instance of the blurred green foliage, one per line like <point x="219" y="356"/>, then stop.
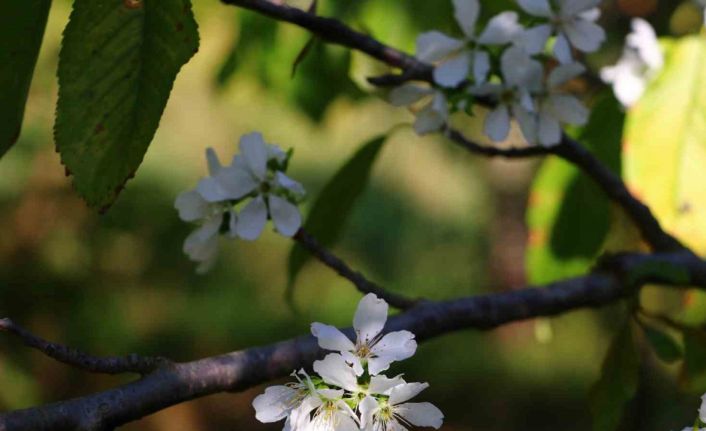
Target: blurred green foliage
<point x="425" y="225"/>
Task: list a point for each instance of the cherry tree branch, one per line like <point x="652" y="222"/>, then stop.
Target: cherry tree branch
<point x="306" y="240"/>
<point x="617" y="277"/>
<point x="76" y="358"/>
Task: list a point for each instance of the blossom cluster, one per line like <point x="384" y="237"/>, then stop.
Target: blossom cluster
<point x="349" y="391"/>
<point x="239" y="198"/>
<point x="466" y="69"/>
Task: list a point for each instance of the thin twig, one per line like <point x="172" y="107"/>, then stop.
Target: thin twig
<point x="306" y="240"/>
<point x="76" y="358"/>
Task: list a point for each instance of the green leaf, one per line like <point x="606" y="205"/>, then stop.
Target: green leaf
<point x="118" y="62"/>
<point x="568" y="216"/>
<point x="664" y="345"/>
<point x="665" y="142"/>
<point x="693" y="370"/>
<point x="332" y="207"/>
<point x="22" y="25"/>
<point x="618" y="381"/>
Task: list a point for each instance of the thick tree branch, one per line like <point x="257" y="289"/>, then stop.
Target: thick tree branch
<point x="76" y="358"/>
<point x="364" y="285"/>
<point x="617" y="277"/>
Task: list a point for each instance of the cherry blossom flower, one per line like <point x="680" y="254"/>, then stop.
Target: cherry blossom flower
<point x="641" y="60"/>
<point x="371" y="348"/>
<point x="202" y="244"/>
<point x="252" y="174"/>
<point x="543" y="126"/>
<point x="573" y="22"/>
<point x="429" y="106"/>
<point x="324" y="410"/>
<point x="521" y="76"/>
<point x="455" y="58"/>
<point x="394" y="413"/>
<point x="277" y="402"/>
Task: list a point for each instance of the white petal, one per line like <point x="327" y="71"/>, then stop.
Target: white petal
<point x="274" y="152"/>
<point x="407" y="94"/>
<point x="344" y="421"/>
<point x="286" y="182"/>
<point x="211" y="190"/>
<point x="252" y="219"/>
<point x="627" y="86"/>
<point x="574" y="7"/>
<point x="370" y="317"/>
<point x="644" y="39"/>
<point x="567" y="109"/>
<point x="562" y="49"/>
<point x="301" y="415"/>
<point x="421" y="414"/>
<point x="501" y="29"/>
<point x="275" y="404"/>
<point x="533" y="40"/>
<point x="564" y="73"/>
<point x="702" y="409"/>
<point x="214" y="165"/>
<point x="433" y="46"/>
<point x="433" y="117"/>
<point x="591" y="14"/>
<point x="405" y="392"/>
<point x="536" y="7"/>
<point x="497" y="123"/>
<point x="335" y="371"/>
<point x="395" y="346"/>
<point x="381" y="384"/>
<point x="453" y="71"/>
<point x="191" y="206"/>
<point x="585" y="35"/>
<point x="548" y="131"/>
<point x="528" y="124"/>
<point x="254" y="152"/>
<point x="466" y="14"/>
<point x="234" y="182"/>
<point x="481" y="66"/>
<point x="285" y="215"/>
<point x="330" y="338"/>
<point x="520" y="70"/>
<point x="368" y="407"/>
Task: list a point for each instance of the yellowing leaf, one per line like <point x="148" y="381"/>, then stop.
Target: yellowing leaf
<point x="665" y="143"/>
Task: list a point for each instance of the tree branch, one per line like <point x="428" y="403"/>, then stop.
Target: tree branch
<point x="618" y="277"/>
<point x="307" y="241"/>
<point x="76" y="358"/>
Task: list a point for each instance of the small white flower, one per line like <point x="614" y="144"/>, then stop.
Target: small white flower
<point x="573" y="21"/>
<point x="553" y="108"/>
<point x="641" y="60"/>
<point x="521" y="76"/>
<point x="251" y="174"/>
<point x="202" y="244"/>
<point x="278" y="401"/>
<point x="394" y="413"/>
<point x="324" y="410"/>
<point x="429" y="106"/>
<point x="370" y="348"/>
<point x="454" y="58"/>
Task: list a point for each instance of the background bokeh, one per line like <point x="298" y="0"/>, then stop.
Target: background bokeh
<point x="434" y="222"/>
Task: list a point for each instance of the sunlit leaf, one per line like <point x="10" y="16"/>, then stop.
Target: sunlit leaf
<point x="568" y="216"/>
<point x="618" y="381"/>
<point x="117" y="65"/>
<point x="665" y="143"/>
<point x="22" y="26"/>
<point x="334" y="204"/>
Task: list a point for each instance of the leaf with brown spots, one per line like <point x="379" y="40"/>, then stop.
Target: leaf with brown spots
<point x="117" y="65"/>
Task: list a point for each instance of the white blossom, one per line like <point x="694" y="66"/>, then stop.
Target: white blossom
<point x="521" y="76"/>
<point x="553" y="108"/>
<point x="429" y="106"/>
<point x="455" y="58"/>
<point x="278" y="401"/>
<point x="324" y="410"/>
<point x="251" y="175"/>
<point x="202" y="244"/>
<point x="394" y="413"/>
<point x="573" y="22"/>
<point x="371" y="347"/>
<point x="641" y="60"/>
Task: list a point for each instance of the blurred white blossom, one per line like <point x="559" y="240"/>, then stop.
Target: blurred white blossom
<point x="641" y="60"/>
